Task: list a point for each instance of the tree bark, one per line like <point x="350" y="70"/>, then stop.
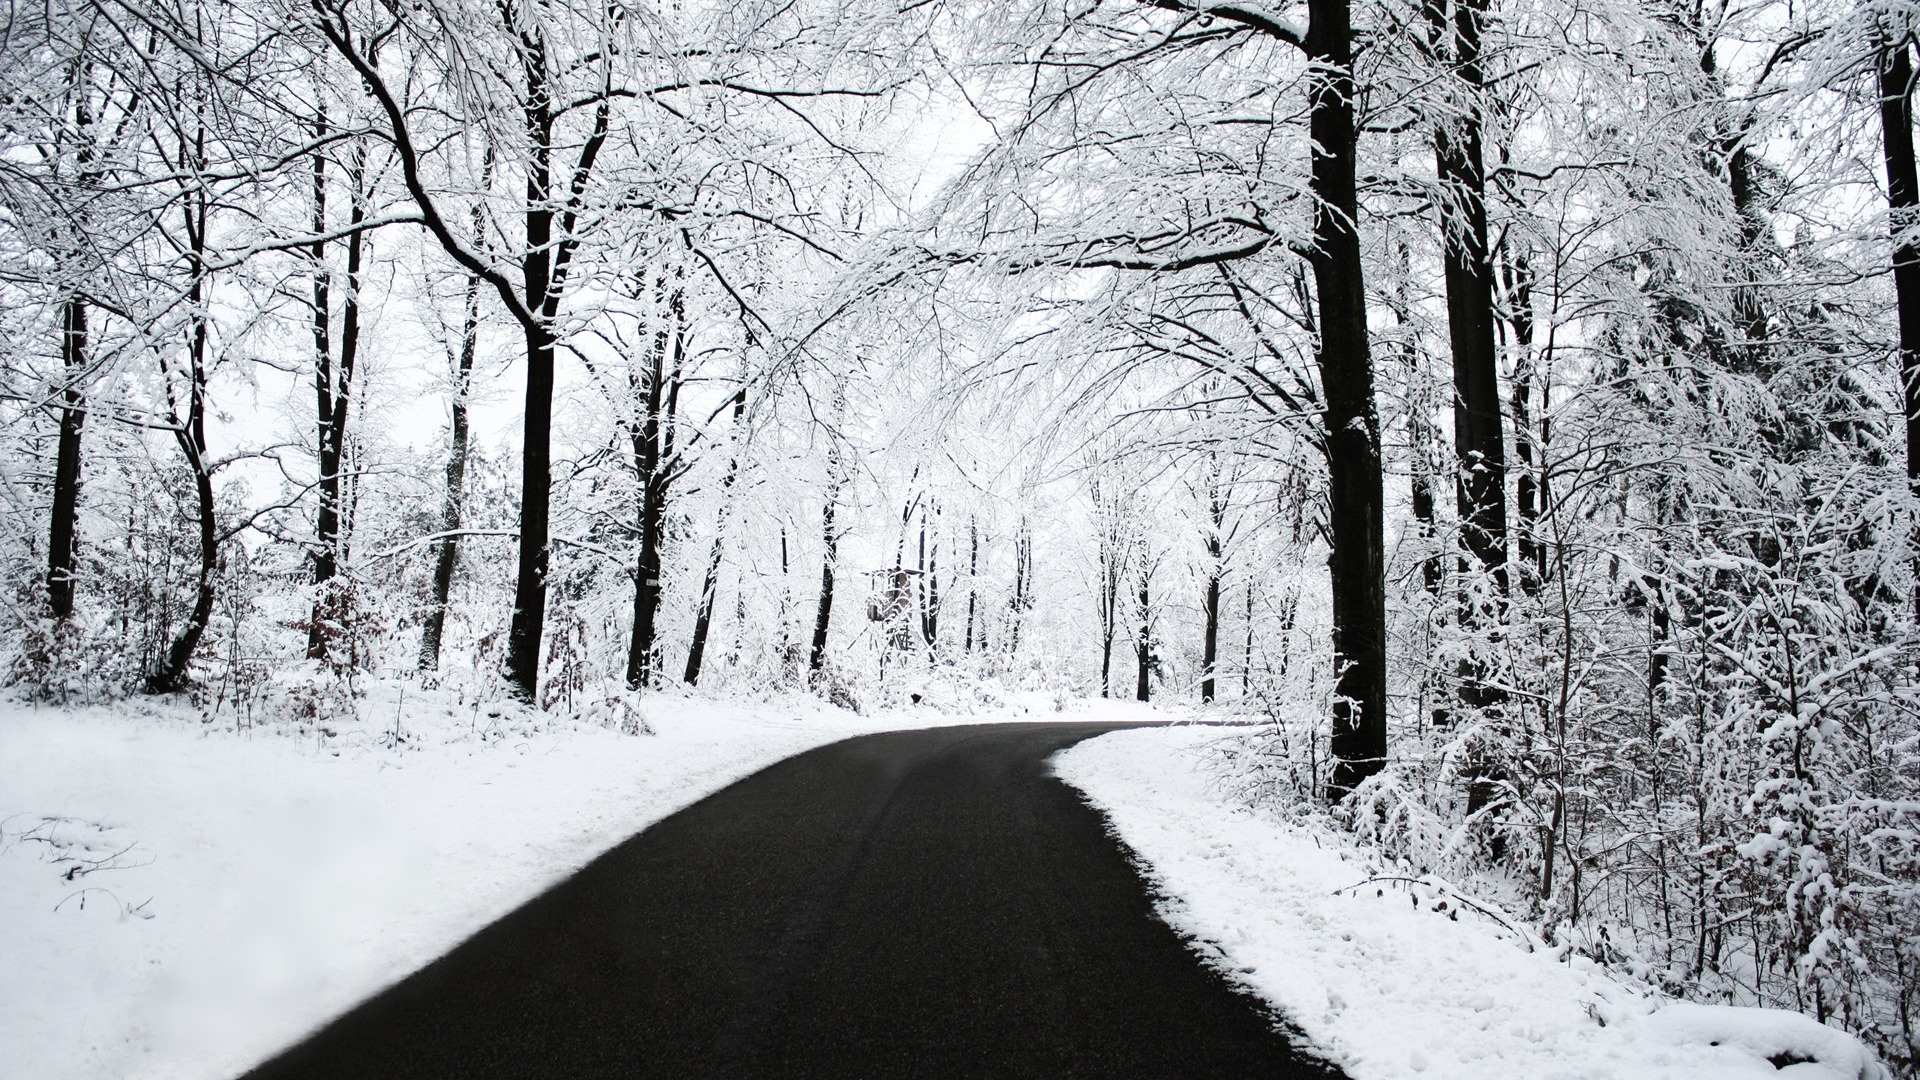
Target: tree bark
<point x="1022" y="584"/>
<point x="326" y="517"/>
<point x="1143" y="643"/>
<point x="1749" y="312"/>
<point x="63" y="527"/>
<point x="1109" y="612"/>
<point x="710" y="585"/>
<point x="63" y="532"/>
<point x="453" y="505"/>
<point x="536" y="450"/>
<point x="1420" y="434"/>
<point x="190" y="434"/>
<point x="973" y="570"/>
<point x="1246" y="659"/>
<point x="1903" y="197"/>
<point x="1357" y="560"/>
<point x="653" y="461"/>
<point x="830" y="541"/>
<point x="1528" y="500"/>
<point x="1210" y="601"/>
<point x="1479" y="440"/>
<point x="930" y="584"/>
<point x="333" y="385"/>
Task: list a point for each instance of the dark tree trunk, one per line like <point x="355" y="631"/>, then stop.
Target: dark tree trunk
<point x="1357" y="561"/>
<point x="536" y="450"/>
<point x="333" y="385"/>
<point x="1420" y="433"/>
<point x="653" y="460"/>
<point x="830" y="541"/>
<point x="1022" y="584"/>
<point x="64" y="529"/>
<point x="1749" y="312"/>
<point x="63" y="526"/>
<point x="1143" y="643"/>
<point x="973" y="570"/>
<point x="530" y="575"/>
<point x="1526" y="487"/>
<point x="1478" y="437"/>
<point x="1903" y="197"/>
<point x="710" y="584"/>
<point x="190" y="434"/>
<point x="930" y="584"/>
<point x="453" y="505"/>
<point x="326" y="516"/>
<point x="1211" y="643"/>
<point x="1210" y="602"/>
<point x="1110" y="564"/>
<point x="1246" y="659"/>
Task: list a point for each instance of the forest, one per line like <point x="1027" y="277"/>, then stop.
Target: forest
<point x="1511" y="407"/>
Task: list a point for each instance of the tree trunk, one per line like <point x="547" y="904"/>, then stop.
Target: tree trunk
<point x="333" y="385"/>
<point x="1479" y="440"/>
<point x="190" y="434"/>
<point x="1210" y="602"/>
<point x="63" y="533"/>
<point x="830" y="540"/>
<point x="710" y="585"/>
<point x="1022" y="584"/>
<point x="823" y="615"/>
<point x="1357" y="560"/>
<point x="1749" y="312"/>
<point x="652" y="438"/>
<point x="328" y="465"/>
<point x="930" y="584"/>
<point x="1246" y="659"/>
<point x="1109" y="610"/>
<point x="453" y="506"/>
<point x="1526" y="487"/>
<point x="63" y="527"/>
<point x="530" y="576"/>
<point x="1420" y="432"/>
<point x="1903" y="197"/>
<point x="1143" y="643"/>
<point x="973" y="570"/>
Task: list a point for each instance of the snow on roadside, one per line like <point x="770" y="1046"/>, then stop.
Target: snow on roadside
<point x="1394" y="979"/>
<point x="181" y="900"/>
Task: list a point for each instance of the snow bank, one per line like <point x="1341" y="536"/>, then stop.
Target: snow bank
<point x="181" y="900"/>
<point x="1393" y="977"/>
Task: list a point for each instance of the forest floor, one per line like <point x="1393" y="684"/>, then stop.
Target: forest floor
<point x="181" y="898"/>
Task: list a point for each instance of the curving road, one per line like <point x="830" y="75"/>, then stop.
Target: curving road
<point x="917" y="904"/>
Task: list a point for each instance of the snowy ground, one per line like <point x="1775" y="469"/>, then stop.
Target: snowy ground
<point x="180" y="899"/>
<point x="1398" y="979"/>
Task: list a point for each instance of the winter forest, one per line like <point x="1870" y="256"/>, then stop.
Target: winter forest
<point x="1513" y="406"/>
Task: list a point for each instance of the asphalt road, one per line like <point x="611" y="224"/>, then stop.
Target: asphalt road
<point x="921" y="905"/>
